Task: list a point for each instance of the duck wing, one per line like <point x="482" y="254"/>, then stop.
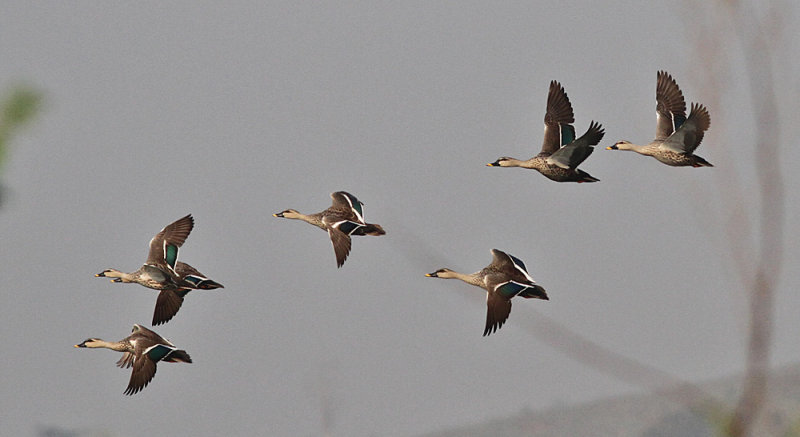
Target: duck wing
<point x="558" y="129"/>
<point x="167" y="305"/>
<point x="349" y="227"/>
<point x="148" y="349"/>
<point x="144" y="369"/>
<point x="339" y="224"/>
<point x="509" y="277"/>
<point x="690" y="134"/>
<point x="510" y="266"/>
<point x="346" y="201"/>
<point x="194" y="278"/>
<point x="497" y="310"/>
<point x="341" y="245"/>
<point x="150" y="338"/>
<point x="126" y="360"/>
<point x="670" y="106"/>
<point x="164" y="246"/>
<point x="511" y="289"/>
<point x="574" y="153"/>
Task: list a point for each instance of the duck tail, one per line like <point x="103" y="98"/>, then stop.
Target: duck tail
<point x="178" y="356"/>
<point x="373" y="229"/>
<point x="201" y="283"/>
<point x="700" y="162"/>
<point x="534" y="292"/>
<point x="209" y="284"/>
<point x="586" y="177"/>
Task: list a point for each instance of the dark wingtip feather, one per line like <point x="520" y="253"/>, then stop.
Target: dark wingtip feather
<point x="132" y="389"/>
<point x="669" y="94"/>
<point x="595" y="133"/>
<point x="490" y="329"/>
<point x="559" y="108"/>
<point x="167" y="305"/>
<point x="703" y="118"/>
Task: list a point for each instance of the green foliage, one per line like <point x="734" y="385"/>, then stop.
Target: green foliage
<point x="794" y="429"/>
<point x="16" y="110"/>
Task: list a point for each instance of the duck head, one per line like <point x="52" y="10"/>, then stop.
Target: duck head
<point x="441" y="273"/>
<point x="504" y="161"/>
<point x="289" y="213"/>
<point x="90" y="342"/>
<point x="115" y="274"/>
<point x="620" y="145"/>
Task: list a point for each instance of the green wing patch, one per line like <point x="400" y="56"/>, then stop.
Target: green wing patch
<point x="171" y="254"/>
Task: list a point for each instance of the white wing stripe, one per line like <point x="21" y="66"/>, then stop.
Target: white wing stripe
<point x="527" y="276"/>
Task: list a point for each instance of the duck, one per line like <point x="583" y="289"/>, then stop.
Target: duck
<point x="677" y="136"/>
<point x="343" y="219"/>
<point x="561" y="153"/>
<point x="504" y="278"/>
<point x="162" y="271"/>
<point x="140" y="350"/>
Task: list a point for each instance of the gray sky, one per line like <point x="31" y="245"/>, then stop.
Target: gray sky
<point x="236" y="112"/>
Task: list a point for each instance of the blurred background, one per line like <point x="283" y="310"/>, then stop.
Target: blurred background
<point x="135" y="115"/>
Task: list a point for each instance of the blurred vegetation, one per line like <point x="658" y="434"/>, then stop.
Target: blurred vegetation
<point x="18" y="109"/>
<point x="655" y="414"/>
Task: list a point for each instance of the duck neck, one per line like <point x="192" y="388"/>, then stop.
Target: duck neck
<point x="469" y="278"/>
<point x="113" y="345"/>
<point x="514" y="162"/>
<point x="124" y="277"/>
<point x="642" y="150"/>
<point x="314" y="219"/>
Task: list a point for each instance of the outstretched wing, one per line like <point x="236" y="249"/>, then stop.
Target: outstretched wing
<point x="499" y="259"/>
<point x="670" y="106"/>
<point x="558" y="120"/>
<point x="690" y="134"/>
<point x="348" y="227"/>
<point x="164" y="246"/>
<point x="341" y="245"/>
<point x="192" y="276"/>
<point x="126" y="360"/>
<point x="510" y="266"/>
<point x="574" y="153"/>
<point x="167" y="305"/>
<point x="510" y="289"/>
<point x="144" y="369"/>
<point x="345" y="200"/>
<point x="497" y="310"/>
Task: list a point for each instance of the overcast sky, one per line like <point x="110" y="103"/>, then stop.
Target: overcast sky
<point x="235" y="112"/>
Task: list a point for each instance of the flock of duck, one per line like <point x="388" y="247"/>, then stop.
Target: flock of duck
<point x="506" y="277"/>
